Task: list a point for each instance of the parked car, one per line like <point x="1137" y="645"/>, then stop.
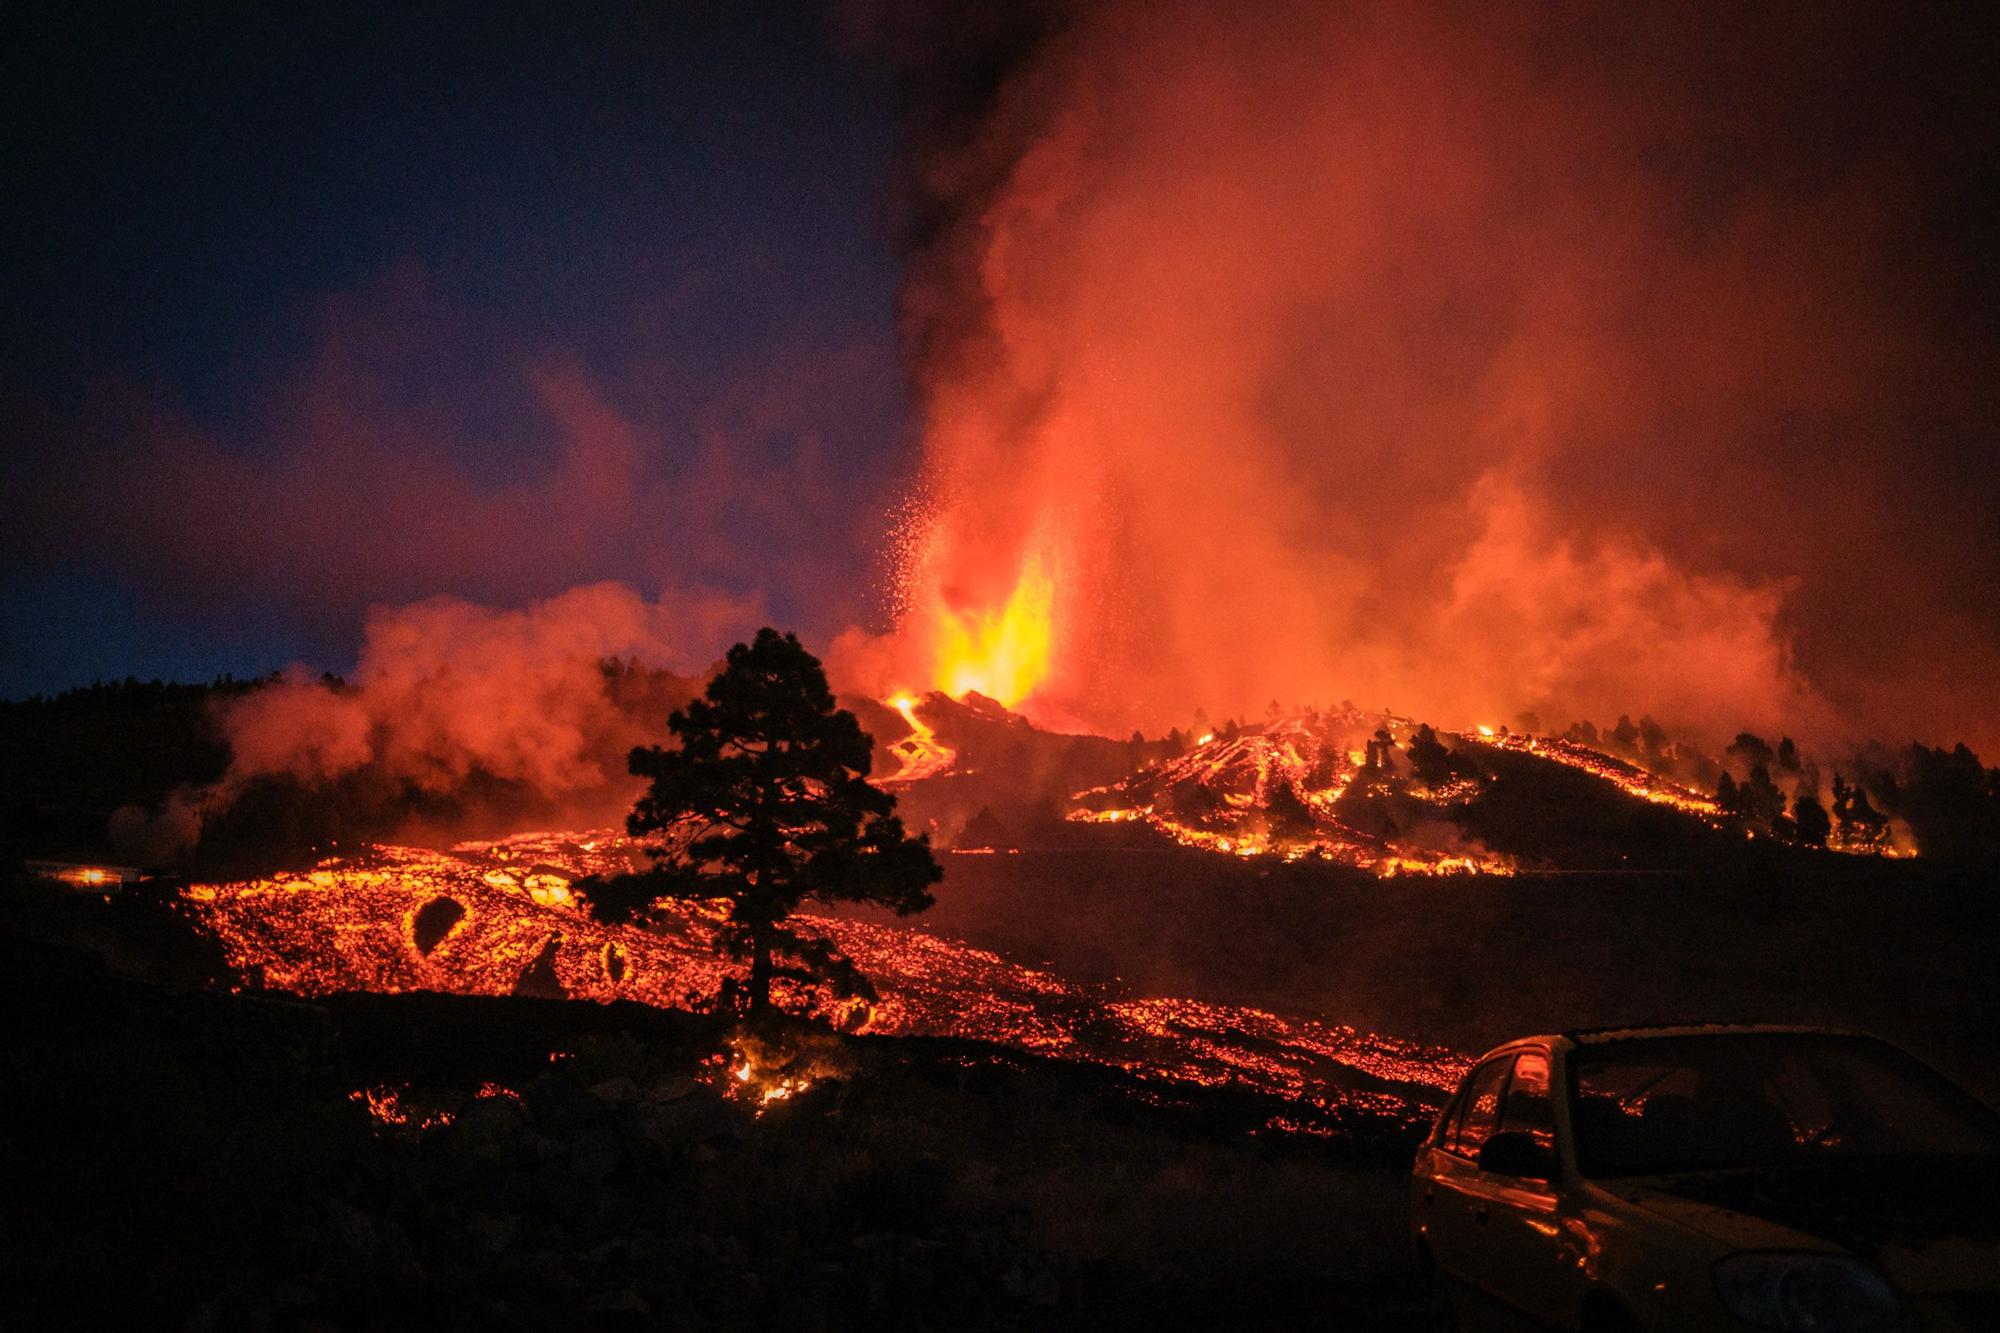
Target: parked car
<point x="1710" y="1178"/>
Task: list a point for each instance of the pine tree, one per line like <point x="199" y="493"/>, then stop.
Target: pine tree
<point x="1429" y="758"/>
<point x="766" y="804"/>
<point x="1811" y="818"/>
<point x="1728" y="798"/>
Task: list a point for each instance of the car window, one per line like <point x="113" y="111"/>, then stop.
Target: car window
<point x="1759" y="1100"/>
<point x="1447" y="1123"/>
<point x="1526" y="1108"/>
<point x="1482" y="1107"/>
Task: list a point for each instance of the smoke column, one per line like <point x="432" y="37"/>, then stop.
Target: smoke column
<point x="447" y="693"/>
<point x="1462" y="360"/>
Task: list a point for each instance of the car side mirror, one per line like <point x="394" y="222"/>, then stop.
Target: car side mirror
<point x="1517" y="1154"/>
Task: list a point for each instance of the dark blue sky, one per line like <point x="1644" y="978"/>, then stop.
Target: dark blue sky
<point x="218" y="220"/>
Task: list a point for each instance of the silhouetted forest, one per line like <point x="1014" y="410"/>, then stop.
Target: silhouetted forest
<point x="74" y="761"/>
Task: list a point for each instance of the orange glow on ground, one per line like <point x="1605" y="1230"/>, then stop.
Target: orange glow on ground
<point x="351" y="924"/>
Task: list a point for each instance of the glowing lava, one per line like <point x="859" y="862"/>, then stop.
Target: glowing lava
<point x="357" y="924"/>
<point x="1628" y="778"/>
<point x="922" y="754"/>
<point x="1278" y="791"/>
<point x="1002" y="654"/>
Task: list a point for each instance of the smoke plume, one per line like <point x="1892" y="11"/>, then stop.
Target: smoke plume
<point x="1460" y="359"/>
<point x="450" y="698"/>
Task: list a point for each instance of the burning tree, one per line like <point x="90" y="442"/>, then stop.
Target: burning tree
<point x="764" y="805"/>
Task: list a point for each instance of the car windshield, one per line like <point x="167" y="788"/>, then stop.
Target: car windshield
<point x="1649" y="1105"/>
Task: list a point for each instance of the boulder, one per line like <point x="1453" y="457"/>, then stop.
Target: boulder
<point x="490" y="1123"/>
<point x="595" y="1152"/>
<point x="615" y="1091"/>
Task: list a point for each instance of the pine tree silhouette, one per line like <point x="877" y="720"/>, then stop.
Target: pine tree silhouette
<point x="766" y="804"/>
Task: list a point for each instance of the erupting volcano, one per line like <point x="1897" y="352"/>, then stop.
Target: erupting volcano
<point x="1002" y="653"/>
<point x="905" y="663"/>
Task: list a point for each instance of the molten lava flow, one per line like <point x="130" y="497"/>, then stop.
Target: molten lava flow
<point x="1002" y="654"/>
<point x="1628" y="778"/>
<point x="355" y="924"/>
<point x="1278" y="791"/>
<point x="923" y="755"/>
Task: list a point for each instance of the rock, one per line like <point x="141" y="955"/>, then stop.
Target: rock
<point x="561" y="1106"/>
<point x="433" y="921"/>
<point x="352" y="1230"/>
<point x="293" y="1295"/>
<point x="552" y="1271"/>
<point x="562" y="1191"/>
<point x="1033" y="1284"/>
<point x="539" y="980"/>
<point x="595" y="1152"/>
<point x="494" y="1235"/>
<point x="673" y="1088"/>
<point x="615" y="1091"/>
<point x="685" y="1122"/>
<point x="490" y="1122"/>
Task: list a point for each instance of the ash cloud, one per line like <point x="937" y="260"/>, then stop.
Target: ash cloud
<point x="1466" y="360"/>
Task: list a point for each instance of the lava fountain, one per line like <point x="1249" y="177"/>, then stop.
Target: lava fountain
<point x="1002" y="653"/>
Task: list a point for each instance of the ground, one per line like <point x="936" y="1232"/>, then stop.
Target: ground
<point x="217" y="1153"/>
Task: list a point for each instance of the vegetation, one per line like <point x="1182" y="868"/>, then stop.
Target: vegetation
<point x="88" y="769"/>
<point x="765" y="804"/>
<point x="75" y="758"/>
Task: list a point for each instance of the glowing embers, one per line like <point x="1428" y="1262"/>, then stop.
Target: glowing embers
<point x="921" y="753"/>
<point x="394" y="1112"/>
<point x="1003" y="652"/>
<point x="1284" y="791"/>
<point x="761" y="1073"/>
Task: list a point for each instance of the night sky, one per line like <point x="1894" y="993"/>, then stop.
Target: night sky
<point x="220" y="218"/>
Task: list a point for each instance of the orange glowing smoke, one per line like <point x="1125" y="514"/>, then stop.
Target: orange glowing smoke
<point x="1373" y="352"/>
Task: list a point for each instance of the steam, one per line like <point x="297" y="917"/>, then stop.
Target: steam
<point x="1456" y="360"/>
<point x="445" y="688"/>
<point x="446" y="692"/>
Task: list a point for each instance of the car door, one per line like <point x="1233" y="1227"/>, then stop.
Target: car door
<point x="1457" y="1237"/>
<point x="1526" y="1258"/>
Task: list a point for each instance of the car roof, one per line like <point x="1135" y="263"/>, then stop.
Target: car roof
<point x="1598" y="1036"/>
<point x="1603" y="1036"/>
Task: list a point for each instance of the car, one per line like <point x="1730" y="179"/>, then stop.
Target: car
<point x="1710" y="1177"/>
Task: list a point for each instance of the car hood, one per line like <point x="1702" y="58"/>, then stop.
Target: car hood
<point x="1927" y="1225"/>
